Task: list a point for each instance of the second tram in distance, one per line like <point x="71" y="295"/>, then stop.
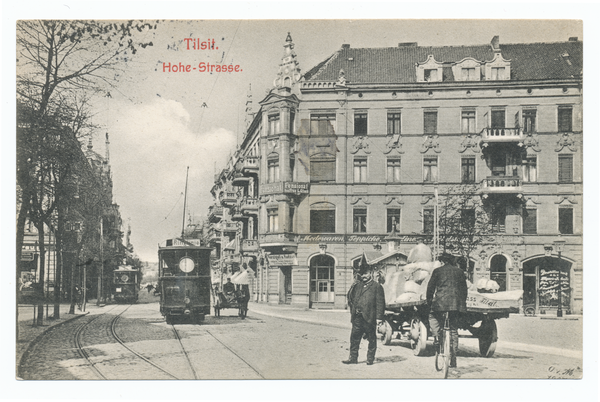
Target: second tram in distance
<point x="184" y="279"/>
<point x="126" y="284"/>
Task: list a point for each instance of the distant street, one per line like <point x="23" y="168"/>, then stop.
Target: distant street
<point x="266" y="347"/>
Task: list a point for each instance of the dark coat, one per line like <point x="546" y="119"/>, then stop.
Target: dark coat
<point x="369" y="299"/>
<point x="447" y="289"/>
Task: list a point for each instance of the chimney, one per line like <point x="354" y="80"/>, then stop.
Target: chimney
<point x="407" y="44"/>
<point x="346" y="46"/>
<point x="573" y="39"/>
<point x="496" y="43"/>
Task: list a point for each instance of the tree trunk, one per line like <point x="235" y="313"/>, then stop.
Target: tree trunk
<point x="42" y="248"/>
<point x="57" y="271"/>
<point x="21" y="220"/>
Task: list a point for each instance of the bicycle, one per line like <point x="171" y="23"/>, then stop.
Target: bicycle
<point x="442" y="353"/>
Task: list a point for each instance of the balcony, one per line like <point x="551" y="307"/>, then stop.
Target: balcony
<point x="278" y="240"/>
<point x="228" y="198"/>
<point x="215" y="213"/>
<point x="249" y="206"/>
<point x="214" y="235"/>
<point x="501" y="135"/>
<point x="501" y="185"/>
<point x="228" y="226"/>
<point x="285" y="187"/>
<point x="249" y="246"/>
<point x="250" y="165"/>
<point x="240" y="180"/>
<point x="237" y="214"/>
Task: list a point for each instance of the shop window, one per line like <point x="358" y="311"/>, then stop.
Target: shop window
<point x="468" y="170"/>
<point x="273" y="170"/>
<point x="565" y="220"/>
<point x="360" y="170"/>
<point x="393" y="170"/>
<point x="273" y="124"/>
<point x="529" y="221"/>
<point x="468" y="122"/>
<point x="360" y="220"/>
<point x="565" y="168"/>
<point x="430" y="169"/>
<point x="430" y="122"/>
<point x="360" y="123"/>
<point x="529" y="165"/>
<point x="322" y="221"/>
<point x="565" y="119"/>
<point x="428" y="220"/>
<point x="273" y="220"/>
<point x="393" y="219"/>
<point x="322" y="124"/>
<point x="393" y="123"/>
<point x="322" y="168"/>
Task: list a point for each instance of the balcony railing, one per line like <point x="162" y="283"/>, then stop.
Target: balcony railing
<point x="249" y="246"/>
<point x="501" y="185"/>
<point x="285" y="187"/>
<point x="502" y="134"/>
<point x="273" y="239"/>
<point x="215" y="213"/>
<point x="227" y="226"/>
<point x="249" y="206"/>
<point x="250" y="165"/>
<point x="229" y="198"/>
<point x="214" y="236"/>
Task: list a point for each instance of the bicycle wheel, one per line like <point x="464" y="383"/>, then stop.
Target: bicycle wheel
<point x="446" y="352"/>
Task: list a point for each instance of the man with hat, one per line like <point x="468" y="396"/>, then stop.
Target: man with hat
<point x="447" y="292"/>
<point x="367" y="304"/>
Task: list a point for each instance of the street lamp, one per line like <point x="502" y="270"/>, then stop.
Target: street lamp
<point x="559" y="244"/>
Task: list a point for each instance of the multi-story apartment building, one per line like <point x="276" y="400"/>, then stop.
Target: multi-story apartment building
<point x="361" y="145"/>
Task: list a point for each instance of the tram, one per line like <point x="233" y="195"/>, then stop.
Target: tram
<point x="126" y="284"/>
<point x="184" y="279"/>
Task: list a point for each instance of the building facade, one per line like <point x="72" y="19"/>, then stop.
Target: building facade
<point x="371" y="141"/>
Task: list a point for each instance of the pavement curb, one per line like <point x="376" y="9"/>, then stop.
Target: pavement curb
<point x="39" y="338"/>
<point x="304" y="320"/>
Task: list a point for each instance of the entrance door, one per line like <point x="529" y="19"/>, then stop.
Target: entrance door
<point x="541" y="283"/>
<point x="322" y="269"/>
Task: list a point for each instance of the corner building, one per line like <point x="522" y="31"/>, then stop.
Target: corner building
<point x="356" y="148"/>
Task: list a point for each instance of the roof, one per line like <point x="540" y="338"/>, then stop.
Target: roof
<point x="529" y="61"/>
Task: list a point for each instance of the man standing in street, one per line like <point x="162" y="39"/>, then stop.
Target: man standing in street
<point x="367" y="304"/>
<point x="446" y="292"/>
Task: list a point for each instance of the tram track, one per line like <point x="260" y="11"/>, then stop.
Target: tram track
<point x="236" y="354"/>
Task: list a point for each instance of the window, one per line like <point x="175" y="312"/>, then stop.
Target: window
<point x="565" y="220"/>
<point x="291" y="218"/>
<point x="430" y="122"/>
<point x="293" y="168"/>
<point x="360" y="170"/>
<point x="498" y="119"/>
<point x="322" y="124"/>
<point x="498" y="271"/>
<point x="393" y="170"/>
<point x="393" y="123"/>
<point x="565" y="119"/>
<point x="273" y="170"/>
<point x="430" y="169"/>
<point x="360" y="123"/>
<point x="273" y="124"/>
<point x="292" y="118"/>
<point x="498" y="73"/>
<point x="467" y="219"/>
<point x="393" y="219"/>
<point x="322" y="168"/>
<point x="273" y="220"/>
<point x="529" y="120"/>
<point x="360" y="220"/>
<point x="322" y="221"/>
<point x="529" y="221"/>
<point x="468" y="121"/>
<point x="529" y="169"/>
<point x="468" y="170"/>
<point x="498" y="220"/>
<point x="428" y="220"/>
<point x="468" y="74"/>
<point x="565" y="168"/>
<point x="431" y="75"/>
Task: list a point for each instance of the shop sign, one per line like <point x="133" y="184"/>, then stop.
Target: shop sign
<point x="356" y="238"/>
<point x="282" y="259"/>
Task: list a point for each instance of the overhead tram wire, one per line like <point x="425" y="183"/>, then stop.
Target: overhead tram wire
<point x="176" y="202"/>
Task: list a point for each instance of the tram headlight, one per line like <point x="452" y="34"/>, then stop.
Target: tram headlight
<point x="186" y="300"/>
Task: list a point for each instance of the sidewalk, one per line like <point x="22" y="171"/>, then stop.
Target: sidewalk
<point x="28" y="333"/>
<point x="543" y="334"/>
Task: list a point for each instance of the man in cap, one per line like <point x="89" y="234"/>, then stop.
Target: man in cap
<point x="367" y="304"/>
<point x="447" y="292"/>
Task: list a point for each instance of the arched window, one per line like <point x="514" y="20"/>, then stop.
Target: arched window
<point x="498" y="271"/>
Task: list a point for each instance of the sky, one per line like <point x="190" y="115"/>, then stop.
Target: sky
<point x="160" y="122"/>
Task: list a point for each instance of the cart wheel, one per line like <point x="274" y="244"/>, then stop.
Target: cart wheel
<point x="418" y="336"/>
<point x="488" y="336"/>
<point x="385" y="333"/>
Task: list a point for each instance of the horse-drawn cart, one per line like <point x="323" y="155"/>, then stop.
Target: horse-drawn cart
<point x="410" y="319"/>
<point x="237" y="300"/>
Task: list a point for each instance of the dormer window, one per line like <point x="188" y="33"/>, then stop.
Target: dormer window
<point x="468" y="74"/>
<point x="498" y="69"/>
<point x="497" y="73"/>
<point x="429" y="70"/>
<point x="468" y="69"/>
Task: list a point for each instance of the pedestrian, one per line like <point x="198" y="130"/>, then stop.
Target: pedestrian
<point x="447" y="292"/>
<point x="366" y="300"/>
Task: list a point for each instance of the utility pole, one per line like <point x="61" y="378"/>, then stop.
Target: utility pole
<point x="101" y="262"/>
